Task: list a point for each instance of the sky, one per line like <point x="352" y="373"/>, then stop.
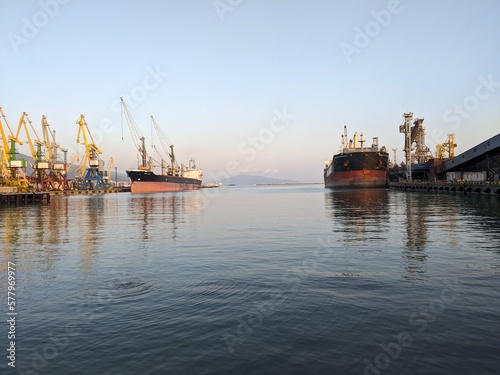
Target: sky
<point x="259" y="87"/>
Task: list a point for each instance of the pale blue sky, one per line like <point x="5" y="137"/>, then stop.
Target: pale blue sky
<point x="223" y="72"/>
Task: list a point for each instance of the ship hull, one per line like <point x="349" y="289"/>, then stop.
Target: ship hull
<point x="144" y="182"/>
<point x="356" y="179"/>
<point x="357" y="170"/>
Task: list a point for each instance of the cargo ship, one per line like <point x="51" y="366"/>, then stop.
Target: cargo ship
<point x="357" y="166"/>
<point x="146" y="181"/>
<point x="172" y="177"/>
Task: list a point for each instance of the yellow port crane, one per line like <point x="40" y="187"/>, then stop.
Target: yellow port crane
<point x="57" y="175"/>
<point x="93" y="177"/>
<point x="72" y="159"/>
<point x="49" y="140"/>
<point x="448" y="146"/>
<point x="12" y="173"/>
<point x="109" y="171"/>
<point x="40" y="165"/>
<point x="4" y="154"/>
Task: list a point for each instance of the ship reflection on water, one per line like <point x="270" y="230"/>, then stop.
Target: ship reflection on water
<point x="360" y="214"/>
<point x="377" y="220"/>
<point x="161" y="214"/>
<point x="332" y="274"/>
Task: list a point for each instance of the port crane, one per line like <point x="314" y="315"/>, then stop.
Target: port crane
<point x="108" y="171"/>
<point x="57" y="174"/>
<point x="12" y="173"/>
<point x="39" y="177"/>
<point x="92" y="176"/>
<point x="448" y="146"/>
<point x="4" y="155"/>
<point x="138" y="139"/>
<point x="72" y="159"/>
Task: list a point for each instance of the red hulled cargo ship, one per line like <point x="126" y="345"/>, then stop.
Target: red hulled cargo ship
<point x="172" y="177"/>
<point x="146" y="181"/>
<point x="357" y="166"/>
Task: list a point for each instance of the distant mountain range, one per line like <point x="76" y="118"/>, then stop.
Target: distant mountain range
<point x="252" y="180"/>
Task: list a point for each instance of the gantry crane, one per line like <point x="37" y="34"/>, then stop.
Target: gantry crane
<point x="92" y="176"/>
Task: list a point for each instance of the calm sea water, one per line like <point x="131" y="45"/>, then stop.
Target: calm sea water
<point x="254" y="280"/>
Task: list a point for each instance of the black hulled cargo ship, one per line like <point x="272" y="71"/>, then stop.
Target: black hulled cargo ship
<point x="146" y="181"/>
<point x="172" y="177"/>
<point x="357" y="166"/>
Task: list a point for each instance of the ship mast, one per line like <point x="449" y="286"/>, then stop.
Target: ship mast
<point x="143" y="153"/>
<point x="172" y="157"/>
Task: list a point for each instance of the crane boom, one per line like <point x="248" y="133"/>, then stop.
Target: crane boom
<point x="137" y="138"/>
<point x="167" y="146"/>
<point x="83" y="130"/>
<point x="23" y="123"/>
<point x="4" y="155"/>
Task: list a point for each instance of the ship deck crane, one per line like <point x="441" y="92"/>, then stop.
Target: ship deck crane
<point x="173" y="169"/>
<point x="137" y="138"/>
<point x="93" y="177"/>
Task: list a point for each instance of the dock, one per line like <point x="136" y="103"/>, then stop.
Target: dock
<point x="90" y="191"/>
<point x="23" y="199"/>
<point x="490" y="188"/>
